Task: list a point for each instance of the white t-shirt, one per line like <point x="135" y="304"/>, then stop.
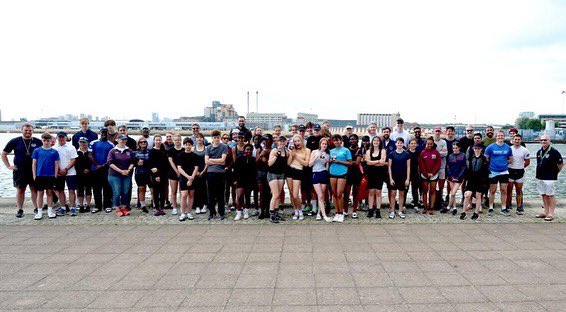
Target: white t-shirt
<point x="405" y="135"/>
<point x="520" y="154"/>
<point x="67" y="153"/>
<point x="440" y="146"/>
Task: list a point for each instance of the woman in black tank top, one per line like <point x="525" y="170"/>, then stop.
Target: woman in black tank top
<point x="375" y="159"/>
<point x="277" y="164"/>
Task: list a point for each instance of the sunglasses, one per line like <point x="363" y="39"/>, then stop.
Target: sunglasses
<point x="143" y="142"/>
<point x="469" y="130"/>
<point x="544" y="140"/>
<point x="194" y="129"/>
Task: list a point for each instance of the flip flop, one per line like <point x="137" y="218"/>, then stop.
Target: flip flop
<point x="540" y="216"/>
<point x="548" y="218"/>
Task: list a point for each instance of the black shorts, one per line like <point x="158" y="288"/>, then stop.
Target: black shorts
<point x="261" y="177"/>
<point x="183" y="184"/>
<point x="70" y="181"/>
<point x="143" y="180"/>
<point x="173" y="176"/>
<point x="84" y="185"/>
<point x="45" y="183"/>
<point x="320" y="177"/>
<point x="22" y="178"/>
<point x="516" y="175"/>
<point x="475" y="187"/>
<point x="375" y="182"/>
<point x="502" y="178"/>
<point x="341" y="176"/>
<point x="306" y="182"/>
<point x="295" y="174"/>
<point x="399" y="184"/>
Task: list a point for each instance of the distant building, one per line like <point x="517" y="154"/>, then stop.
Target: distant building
<point x="526" y="114"/>
<point x="218" y="112"/>
<point x="303" y="118"/>
<point x="265" y="120"/>
<point x="339" y="122"/>
<point x="155" y="117"/>
<point x="382" y="120"/>
<point x="558" y="118"/>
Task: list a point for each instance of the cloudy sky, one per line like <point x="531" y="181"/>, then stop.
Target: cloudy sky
<point x="433" y="61"/>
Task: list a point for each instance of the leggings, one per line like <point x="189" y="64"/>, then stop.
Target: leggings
<point x="216" y="182"/>
<point x="159" y="189"/>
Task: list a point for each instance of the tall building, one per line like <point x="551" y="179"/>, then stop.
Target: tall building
<point x="265" y="120"/>
<point x="155" y="117"/>
<point x="382" y="120"/>
<point x="219" y="112"/>
<point x="303" y="118"/>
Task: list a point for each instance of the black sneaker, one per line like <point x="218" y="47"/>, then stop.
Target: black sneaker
<point x="82" y="209"/>
<point x="20" y="213"/>
<point x="67" y="209"/>
<point x="87" y="208"/>
<point x="454" y="211"/>
<point x="490" y="211"/>
<point x="462" y="216"/>
<point x="278" y="216"/>
<point x="378" y="213"/>
<point x="371" y="213"/>
<point x="222" y="217"/>
<point x="475" y="216"/>
<point x="34" y="211"/>
<point x="273" y="218"/>
<point x="210" y="217"/>
<point x="144" y="209"/>
<point x="444" y="210"/>
<point x="138" y="205"/>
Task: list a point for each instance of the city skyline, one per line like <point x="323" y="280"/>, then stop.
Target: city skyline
<point x="429" y="61"/>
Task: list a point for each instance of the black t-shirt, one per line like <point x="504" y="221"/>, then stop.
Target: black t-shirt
<point x="313" y="141"/>
<point x="174" y="154"/>
<point x="547" y="164"/>
<point x="187" y="161"/>
<point x="22" y="151"/>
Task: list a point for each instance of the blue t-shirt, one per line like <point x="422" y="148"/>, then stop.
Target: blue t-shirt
<point x="100" y="150"/>
<point x="498" y="157"/>
<point x="22" y="151"/>
<point x="342" y="154"/>
<point x="46" y="159"/>
<point x="89" y="135"/>
<point x="399" y="164"/>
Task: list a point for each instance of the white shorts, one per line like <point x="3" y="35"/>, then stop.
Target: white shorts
<point x="442" y="174"/>
<point x="546" y="187"/>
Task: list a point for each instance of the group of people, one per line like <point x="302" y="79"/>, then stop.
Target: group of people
<point x="321" y="170"/>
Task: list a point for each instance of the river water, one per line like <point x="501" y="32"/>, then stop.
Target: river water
<point x="530" y="191"/>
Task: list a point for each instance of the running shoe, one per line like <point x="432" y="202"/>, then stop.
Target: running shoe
<point x="182" y="217"/>
<point x="392" y="215"/>
<point x="51" y="214"/>
<point x="174" y="212"/>
<point x="354" y="215"/>
<point x="401" y="215"/>
<point x="73" y="212"/>
<point x="60" y="212"/>
<point x="20" y="213"/>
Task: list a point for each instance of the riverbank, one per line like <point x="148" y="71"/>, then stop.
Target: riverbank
<point x="532" y="207"/>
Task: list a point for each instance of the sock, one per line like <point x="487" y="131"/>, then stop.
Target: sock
<point x="491" y="206"/>
<point x="503" y="207"/>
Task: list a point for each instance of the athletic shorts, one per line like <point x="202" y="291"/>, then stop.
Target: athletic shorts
<point x="295" y="174"/>
<point x="71" y="182"/>
<point x="399" y="184"/>
<point x="143" y="180"/>
<point x="375" y="183"/>
<point x="475" y="187"/>
<point x="275" y="176"/>
<point x="172" y="176"/>
<point x="341" y="176"/>
<point x="321" y="177"/>
<point x="517" y="175"/>
<point x="22" y="178"/>
<point x="45" y="183"/>
<point x="432" y="179"/>
<point x="455" y="180"/>
<point x="441" y="174"/>
<point x="306" y="181"/>
<point x="546" y="187"/>
<point x="502" y="178"/>
<point x="183" y="184"/>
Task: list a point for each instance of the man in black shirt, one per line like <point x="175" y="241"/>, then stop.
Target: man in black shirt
<point x="22" y="147"/>
<point x="242" y="127"/>
<point x="467" y="140"/>
<point x="549" y="164"/>
<point x="314" y="140"/>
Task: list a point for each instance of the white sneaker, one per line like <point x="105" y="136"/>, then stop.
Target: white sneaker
<point x="38" y="215"/>
<point x="392" y="215"/>
<point x="197" y="211"/>
<point x="318" y="217"/>
<point x="50" y="213"/>
<point x="182" y="217"/>
<point x="203" y="210"/>
<point x="340" y="218"/>
<point x="401" y="215"/>
<point x="190" y="216"/>
<point x="354" y="215"/>
<point x="174" y="212"/>
<point x="328" y="219"/>
<point x="238" y="216"/>
<point x="295" y="215"/>
<point x="246" y="214"/>
<point x="301" y="216"/>
<point x="336" y="218"/>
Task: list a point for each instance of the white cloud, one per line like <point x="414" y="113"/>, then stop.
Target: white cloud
<point x="430" y="60"/>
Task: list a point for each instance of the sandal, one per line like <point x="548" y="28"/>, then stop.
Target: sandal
<point x="540" y="215"/>
<point x="549" y="218"/>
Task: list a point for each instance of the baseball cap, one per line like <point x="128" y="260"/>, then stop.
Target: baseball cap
<point x="282" y="138"/>
<point x="121" y="137"/>
<point x="437" y="128"/>
<point x="145" y="129"/>
<point x="302" y="128"/>
<point x="349" y="127"/>
<point x="267" y="136"/>
<point x="316" y="127"/>
<point x="62" y="134"/>
<point x="83" y="139"/>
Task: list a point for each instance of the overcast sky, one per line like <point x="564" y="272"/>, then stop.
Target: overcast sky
<point x="433" y="61"/>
